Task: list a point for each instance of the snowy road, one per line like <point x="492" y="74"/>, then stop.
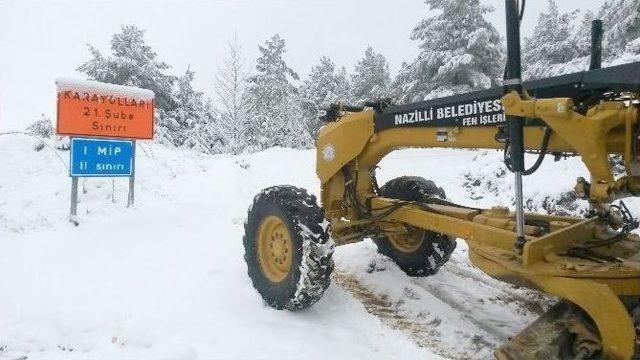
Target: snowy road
<point x="166" y="279"/>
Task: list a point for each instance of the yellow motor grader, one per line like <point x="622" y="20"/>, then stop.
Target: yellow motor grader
<point x="592" y="264"/>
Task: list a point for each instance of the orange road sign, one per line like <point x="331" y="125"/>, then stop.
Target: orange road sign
<point x="91" y="108"/>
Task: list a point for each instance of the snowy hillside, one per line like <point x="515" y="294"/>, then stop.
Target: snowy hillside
<point x="166" y="278"/>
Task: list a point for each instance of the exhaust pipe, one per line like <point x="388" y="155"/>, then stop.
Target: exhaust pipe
<point x="596" y="45"/>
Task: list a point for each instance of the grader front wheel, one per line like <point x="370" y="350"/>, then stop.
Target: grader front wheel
<point x="275" y="249"/>
<point x="287" y="248"/>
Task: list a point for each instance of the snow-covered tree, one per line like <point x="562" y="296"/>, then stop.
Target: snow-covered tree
<point x="325" y="85"/>
<point x="622" y="25"/>
<point x="194" y="116"/>
<point x="371" y="78"/>
<point x="460" y="51"/>
<point x="633" y="48"/>
<point x="184" y="117"/>
<point x="205" y="133"/>
<point x="551" y="43"/>
<point x="581" y="36"/>
<point x="276" y="114"/>
<point x="232" y="107"/>
<point x="132" y="63"/>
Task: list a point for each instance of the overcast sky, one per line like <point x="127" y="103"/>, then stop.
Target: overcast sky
<point x="41" y="40"/>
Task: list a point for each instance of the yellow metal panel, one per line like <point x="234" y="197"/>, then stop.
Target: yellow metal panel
<point x="340" y="142"/>
<point x="471" y="231"/>
<point x="558" y="241"/>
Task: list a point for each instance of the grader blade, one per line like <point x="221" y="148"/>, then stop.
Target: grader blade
<point x="561" y="333"/>
<point x="565" y="332"/>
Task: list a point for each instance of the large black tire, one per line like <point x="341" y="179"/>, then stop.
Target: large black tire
<point x="311" y="261"/>
<point x="426" y="257"/>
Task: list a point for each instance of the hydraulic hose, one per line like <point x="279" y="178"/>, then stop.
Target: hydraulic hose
<point x="543" y="152"/>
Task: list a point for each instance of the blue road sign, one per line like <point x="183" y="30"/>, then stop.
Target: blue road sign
<point x="101" y="158"/>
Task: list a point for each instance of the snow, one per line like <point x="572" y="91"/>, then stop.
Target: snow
<point x="100" y="88"/>
<point x="166" y="278"/>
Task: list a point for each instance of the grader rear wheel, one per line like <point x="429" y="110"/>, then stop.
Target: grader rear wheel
<point x="407" y="242"/>
<point x="287" y="248"/>
<point x="417" y="252"/>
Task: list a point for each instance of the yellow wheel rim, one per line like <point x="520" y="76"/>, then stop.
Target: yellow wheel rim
<point x="275" y="249"/>
<point x="407" y="242"/>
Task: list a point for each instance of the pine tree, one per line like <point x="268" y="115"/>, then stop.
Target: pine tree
<point x="132" y="63"/>
<point x="456" y="56"/>
<point x="581" y="36"/>
<point x="371" y="77"/>
<point x="194" y="115"/>
<point x="232" y="107"/>
<point x="184" y="117"/>
<point x="276" y="113"/>
<point x="325" y="85"/>
<point x="622" y="25"/>
<point x="552" y="43"/>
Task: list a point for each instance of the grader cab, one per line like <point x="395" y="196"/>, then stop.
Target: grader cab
<point x="592" y="264"/>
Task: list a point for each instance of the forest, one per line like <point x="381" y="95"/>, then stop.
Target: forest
<point x="268" y="104"/>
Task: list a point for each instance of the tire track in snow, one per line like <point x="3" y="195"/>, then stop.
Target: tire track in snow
<point x="424" y="333"/>
<point x="530" y="300"/>
<point x="459" y="313"/>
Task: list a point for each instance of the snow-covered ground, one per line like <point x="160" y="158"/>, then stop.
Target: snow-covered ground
<point x="165" y="279"/>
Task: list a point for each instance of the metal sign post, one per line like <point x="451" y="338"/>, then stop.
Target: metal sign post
<point x="132" y="178"/>
<point x="73" y="217"/>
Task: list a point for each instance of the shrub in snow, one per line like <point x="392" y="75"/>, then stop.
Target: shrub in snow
<point x="42" y="127"/>
<point x="63" y="143"/>
<point x="39" y="145"/>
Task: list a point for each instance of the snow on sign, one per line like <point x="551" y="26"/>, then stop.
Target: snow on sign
<point x="97" y="157"/>
<point x="93" y="108"/>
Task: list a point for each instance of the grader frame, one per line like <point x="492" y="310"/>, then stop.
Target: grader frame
<point x="610" y="127"/>
<point x="590" y="262"/>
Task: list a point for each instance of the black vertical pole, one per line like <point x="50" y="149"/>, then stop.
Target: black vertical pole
<point x="513" y="82"/>
<point x="596" y="45"/>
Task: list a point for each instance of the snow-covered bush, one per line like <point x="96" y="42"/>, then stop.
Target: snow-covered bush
<point x="42" y="127"/>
